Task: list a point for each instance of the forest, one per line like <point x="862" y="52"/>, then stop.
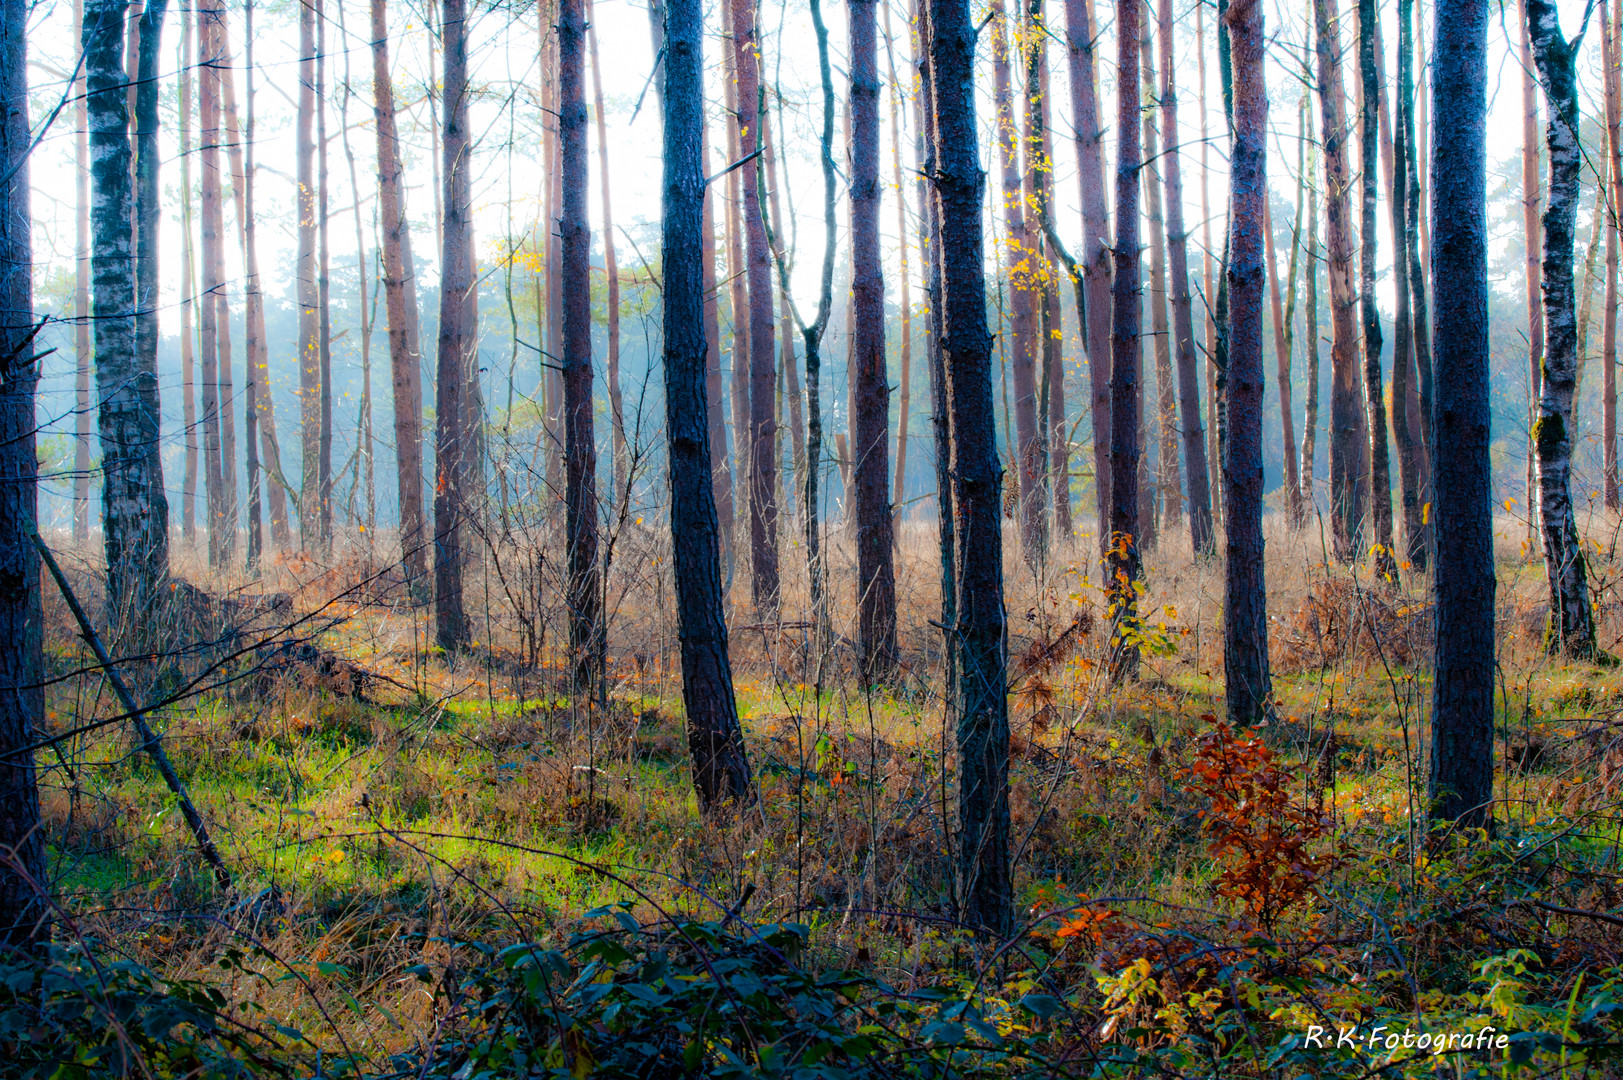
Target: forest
<point x="810" y="539"/>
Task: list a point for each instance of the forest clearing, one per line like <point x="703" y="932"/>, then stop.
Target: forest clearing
<point x="869" y="609"/>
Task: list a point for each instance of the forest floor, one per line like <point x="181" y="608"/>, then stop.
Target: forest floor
<point x="1188" y="896"/>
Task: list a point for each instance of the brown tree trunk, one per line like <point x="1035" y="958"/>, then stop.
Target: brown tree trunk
<point x="1403" y="331"/>
<point x="1347" y="437"/>
<point x="455" y="466"/>
<point x="905" y="384"/>
<point x="611" y="271"/>
<point x="221" y="525"/>
<point x="580" y="445"/>
<point x="1610" y="25"/>
<point x="23" y="905"/>
<point x="1282" y="362"/>
<point x="1125" y="565"/>
<point x="763" y="436"/>
<point x="721" y="773"/>
<point x="1461" y="780"/>
<point x="323" y="278"/>
<point x="1310" y="324"/>
<point x="1081" y="34"/>
<point x="1168" y="477"/>
<point x="1380" y="476"/>
<point x="400" y="305"/>
<point x="786" y="319"/>
<point x="876" y="575"/>
<point x="1247" y="682"/>
<point x="1183" y="324"/>
<point x="984" y="882"/>
<point x="1019" y="260"/>
<point x="738" y="345"/>
<point x="309" y="300"/>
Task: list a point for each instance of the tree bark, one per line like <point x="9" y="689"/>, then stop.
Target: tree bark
<point x="23" y="905"/>
<point x="400" y="306"/>
<point x="147" y="221"/>
<point x="1380" y="476"/>
<point x="323" y="282"/>
<point x="984" y="880"/>
<point x="1532" y="283"/>
<point x="81" y="293"/>
<point x="1403" y="329"/>
<point x="876" y="573"/>
<point x="738" y="351"/>
<point x="1208" y="284"/>
<point x="1183" y="324"/>
<point x="1124" y="564"/>
<point x="1168" y="477"/>
<point x="715" y="396"/>
<point x="306" y="276"/>
<point x="1614" y="155"/>
<point x="1460" y="785"/>
<point x="1419" y="260"/>
<point x="208" y="110"/>
<point x="1282" y="364"/>
<point x="763" y="436"/>
<point x="455" y="465"/>
<point x="134" y="512"/>
<point x="1310" y="273"/>
<point x="580" y="446"/>
<point x="611" y="273"/>
<point x="786" y="319"/>
<point x="905" y="384"/>
<point x="1019" y="257"/>
<point x="721" y="773"/>
<point x="1572" y="627"/>
<point x="1347" y="424"/>
<point x="1246" y="678"/>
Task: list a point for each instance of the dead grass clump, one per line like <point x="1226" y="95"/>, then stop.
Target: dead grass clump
<point x="1340" y="620"/>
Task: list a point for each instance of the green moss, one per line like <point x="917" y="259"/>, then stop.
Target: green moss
<point x="1548" y="434"/>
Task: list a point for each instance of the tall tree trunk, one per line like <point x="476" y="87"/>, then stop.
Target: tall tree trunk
<point x="306" y="276"/>
<point x="455" y="465"/>
<point x="1380" y="476"/>
<point x="1532" y="241"/>
<point x="323" y="279"/>
<point x="1019" y="259"/>
<point x="1461" y="776"/>
<point x="400" y="306"/>
<point x="221" y="295"/>
<point x="1572" y="627"/>
<point x="905" y="384"/>
<point x="738" y="346"/>
<point x="135" y="515"/>
<point x="208" y="110"/>
<point x="23" y="907"/>
<point x="147" y="221"/>
<point x="1419" y="260"/>
<point x="1403" y="332"/>
<point x="611" y="272"/>
<point x="763" y="436"/>
<point x="1310" y="319"/>
<point x="1183" y="323"/>
<point x="1247" y="682"/>
<point x="1168" y="477"/>
<point x="721" y="773"/>
<point x="81" y="292"/>
<point x="1610" y="21"/>
<point x="876" y="574"/>
<point x="984" y="881"/>
<point x="790" y="374"/>
<point x="1052" y="406"/>
<point x="1208" y="284"/>
<point x="1125" y="565"/>
<point x="580" y="445"/>
<point x="1347" y="439"/>
<point x="1282" y="364"/>
<point x="1082" y="36"/>
<point x="715" y="403"/>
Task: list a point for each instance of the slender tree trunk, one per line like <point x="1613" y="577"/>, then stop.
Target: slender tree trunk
<point x="1403" y="332"/>
<point x="1282" y="362"/>
<point x="876" y="574"/>
<point x="905" y="384"/>
<point x="1125" y="565"/>
<point x="1572" y="627"/>
<point x="23" y="906"/>
<point x="1614" y="153"/>
<point x="1461" y="777"/>
<point x="1019" y="260"/>
<point x="1310" y="273"/>
<point x="400" y="306"/>
<point x="1246" y="677"/>
<point x="762" y="359"/>
<point x="715" y="404"/>
<point x="208" y="109"/>
<point x="738" y="302"/>
<point x="1057" y="434"/>
<point x="580" y="445"/>
<point x="220" y="294"/>
<point x="1183" y="324"/>
<point x="147" y="221"/>
<point x="1208" y="285"/>
<point x="1347" y="449"/>
<point x="454" y="462"/>
<point x="81" y="292"/>
<point x="134" y="513"/>
<point x="611" y="271"/>
<point x="1081" y="41"/>
<point x="1380" y="477"/>
<point x="323" y="278"/>
<point x="1532" y="241"/>
<point x="984" y="884"/>
<point x="721" y="773"/>
<point x="1168" y="477"/>
<point x="791" y="375"/>
<point x="306" y="276"/>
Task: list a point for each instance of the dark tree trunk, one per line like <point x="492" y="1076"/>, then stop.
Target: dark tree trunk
<point x="1572" y="625"/>
<point x="22" y="700"/>
<point x="1081" y="41"/>
<point x="1403" y="330"/>
<point x="984" y="885"/>
<point x="876" y="574"/>
<point x="1380" y="475"/>
<point x="1183" y="324"/>
<point x="1125" y="564"/>
<point x="1419" y="310"/>
<point x="580" y="445"/>
<point x="454" y="450"/>
<point x="147" y="219"/>
<point x="400" y="305"/>
<point x="1461" y="781"/>
<point x="1245" y="599"/>
<point x="763" y="434"/>
<point x="721" y="773"/>
<point x="135" y="515"/>
<point x="611" y="274"/>
<point x="1347" y="441"/>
